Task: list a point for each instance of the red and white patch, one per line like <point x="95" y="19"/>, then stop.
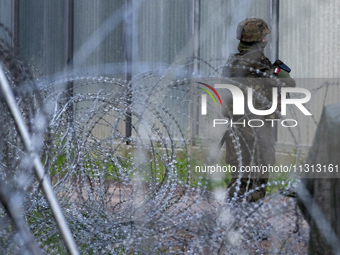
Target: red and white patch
<point x="277" y="70"/>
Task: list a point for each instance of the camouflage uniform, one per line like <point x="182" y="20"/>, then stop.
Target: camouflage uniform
<point x="256" y="144"/>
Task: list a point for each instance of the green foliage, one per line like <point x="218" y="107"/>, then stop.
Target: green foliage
<point x="58" y="167"/>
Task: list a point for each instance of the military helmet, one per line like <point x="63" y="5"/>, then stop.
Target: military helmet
<point x="252" y="30"/>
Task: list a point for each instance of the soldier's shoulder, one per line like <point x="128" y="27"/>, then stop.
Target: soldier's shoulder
<point x="259" y="57"/>
<point x="253" y="57"/>
<point x="240" y="59"/>
<point x="233" y="67"/>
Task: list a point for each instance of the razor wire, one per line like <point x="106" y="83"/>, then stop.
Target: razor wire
<point x="125" y="195"/>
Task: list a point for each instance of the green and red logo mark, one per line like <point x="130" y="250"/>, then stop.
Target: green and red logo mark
<point x="204" y="97"/>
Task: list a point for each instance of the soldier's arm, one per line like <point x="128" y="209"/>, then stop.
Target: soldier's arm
<point x="227" y="70"/>
<point x="285" y="77"/>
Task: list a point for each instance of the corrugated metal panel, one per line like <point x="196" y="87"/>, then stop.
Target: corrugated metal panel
<point x="41" y="34"/>
<point x="219" y="20"/>
<point x="88" y="18"/>
<point x="7" y="17"/>
<point x="163" y="32"/>
<point x="309" y="44"/>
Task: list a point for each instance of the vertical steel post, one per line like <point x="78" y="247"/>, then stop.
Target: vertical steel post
<point x="15" y="28"/>
<point x="69" y="40"/>
<point x="128" y="23"/>
<point x="273" y="49"/>
<point x="194" y="105"/>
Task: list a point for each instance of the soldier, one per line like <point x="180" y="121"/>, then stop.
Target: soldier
<point x="248" y="146"/>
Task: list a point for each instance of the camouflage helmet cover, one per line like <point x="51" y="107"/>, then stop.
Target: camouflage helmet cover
<point x="252" y="30"/>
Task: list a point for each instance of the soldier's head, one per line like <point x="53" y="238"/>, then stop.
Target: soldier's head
<point x="252" y="30"/>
